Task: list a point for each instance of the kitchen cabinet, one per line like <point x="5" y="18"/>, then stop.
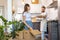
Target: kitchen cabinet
<point x="53" y="30"/>
<point x="36" y="25"/>
<point x="59" y="30"/>
<point x="59" y="17"/>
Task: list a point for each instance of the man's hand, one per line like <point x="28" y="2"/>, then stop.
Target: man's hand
<point x="41" y="16"/>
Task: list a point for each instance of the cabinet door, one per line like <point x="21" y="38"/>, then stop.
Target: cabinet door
<point x="59" y="16"/>
<point x="36" y="25"/>
<point x="53" y="30"/>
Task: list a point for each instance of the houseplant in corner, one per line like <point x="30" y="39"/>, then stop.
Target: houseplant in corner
<point x="18" y="26"/>
<point x="2" y="33"/>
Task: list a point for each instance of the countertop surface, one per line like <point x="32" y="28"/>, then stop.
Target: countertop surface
<point x="39" y="19"/>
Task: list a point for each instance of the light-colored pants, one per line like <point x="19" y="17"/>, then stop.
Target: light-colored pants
<point x="43" y="28"/>
<point x="42" y="35"/>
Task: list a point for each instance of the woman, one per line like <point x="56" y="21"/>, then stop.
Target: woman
<point x="27" y="17"/>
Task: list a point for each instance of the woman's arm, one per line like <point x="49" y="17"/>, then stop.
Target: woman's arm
<point x="26" y="23"/>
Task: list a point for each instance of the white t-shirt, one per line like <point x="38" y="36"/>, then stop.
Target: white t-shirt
<point x="43" y="23"/>
<point x="43" y="14"/>
<point x="27" y="16"/>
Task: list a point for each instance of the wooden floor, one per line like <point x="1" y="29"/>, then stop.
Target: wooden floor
<point x="25" y="35"/>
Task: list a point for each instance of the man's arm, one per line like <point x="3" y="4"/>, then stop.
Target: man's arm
<point x="41" y="16"/>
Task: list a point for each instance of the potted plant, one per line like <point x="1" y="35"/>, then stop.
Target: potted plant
<point x="18" y="26"/>
<point x="2" y="33"/>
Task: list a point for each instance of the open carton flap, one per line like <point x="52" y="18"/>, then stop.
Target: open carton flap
<point x="35" y="33"/>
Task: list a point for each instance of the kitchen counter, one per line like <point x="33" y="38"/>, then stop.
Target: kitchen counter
<point x="53" y="30"/>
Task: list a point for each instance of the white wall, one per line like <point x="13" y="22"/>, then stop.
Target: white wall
<point x="18" y="5"/>
<point x="59" y="9"/>
<point x="1" y="2"/>
<point x="4" y="4"/>
<point x="4" y="10"/>
<point x="35" y="8"/>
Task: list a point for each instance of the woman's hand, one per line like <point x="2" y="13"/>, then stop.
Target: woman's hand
<point x="30" y="29"/>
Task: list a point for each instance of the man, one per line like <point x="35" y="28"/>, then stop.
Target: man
<point x="43" y="25"/>
<point x="43" y="22"/>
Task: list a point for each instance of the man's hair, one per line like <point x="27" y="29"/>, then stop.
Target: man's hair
<point x="44" y="7"/>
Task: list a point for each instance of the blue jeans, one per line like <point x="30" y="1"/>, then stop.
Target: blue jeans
<point x="30" y="24"/>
